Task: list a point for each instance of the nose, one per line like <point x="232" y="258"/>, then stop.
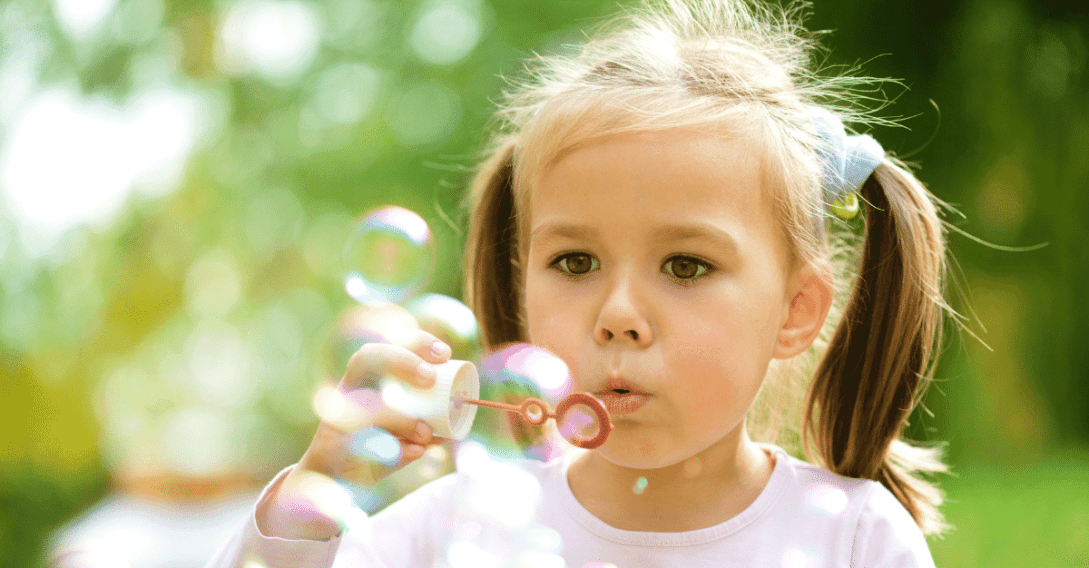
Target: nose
<point x="622" y="319"/>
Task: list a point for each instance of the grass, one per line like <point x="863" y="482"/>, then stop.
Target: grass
<point x="1032" y="516"/>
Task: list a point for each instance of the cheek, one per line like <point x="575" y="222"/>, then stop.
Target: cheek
<point x="730" y="336"/>
<point x="543" y="318"/>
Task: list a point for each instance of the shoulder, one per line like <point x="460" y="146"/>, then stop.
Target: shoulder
<point x="887" y="534"/>
<point x="875" y="526"/>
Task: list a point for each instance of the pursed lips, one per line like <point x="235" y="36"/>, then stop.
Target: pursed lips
<point x="622" y="397"/>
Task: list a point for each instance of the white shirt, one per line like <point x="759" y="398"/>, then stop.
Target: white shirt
<point x="524" y="513"/>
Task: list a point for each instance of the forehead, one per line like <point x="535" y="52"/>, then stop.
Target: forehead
<point x="648" y="180"/>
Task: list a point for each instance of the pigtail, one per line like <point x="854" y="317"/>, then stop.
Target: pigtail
<point x="880" y="359"/>
<point x="493" y="268"/>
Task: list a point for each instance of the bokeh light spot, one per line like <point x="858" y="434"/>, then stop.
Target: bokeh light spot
<point x="539" y="559"/>
<point x="794" y="558"/>
<point x="346" y="92"/>
<point x="446" y="31"/>
<point x="830" y="499"/>
<point x="108" y="152"/>
<point x="275" y="39"/>
<point x="82" y="18"/>
<point x="426" y="113"/>
<point x="640" y="486"/>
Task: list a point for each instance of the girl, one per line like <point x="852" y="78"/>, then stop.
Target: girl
<point x="656" y="213"/>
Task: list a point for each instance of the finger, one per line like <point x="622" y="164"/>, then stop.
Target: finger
<point x="375" y="361"/>
<point x="404" y="427"/>
<point x="361" y="409"/>
<point x="429" y="347"/>
<point x="410" y="452"/>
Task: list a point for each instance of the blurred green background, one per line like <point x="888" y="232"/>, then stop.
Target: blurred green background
<point x="177" y="178"/>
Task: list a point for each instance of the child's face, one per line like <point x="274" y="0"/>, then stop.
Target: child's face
<point x="655" y="265"/>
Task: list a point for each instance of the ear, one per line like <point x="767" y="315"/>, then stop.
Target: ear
<point x="808" y="301"/>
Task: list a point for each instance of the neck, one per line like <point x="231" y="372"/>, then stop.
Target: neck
<point x="704" y="490"/>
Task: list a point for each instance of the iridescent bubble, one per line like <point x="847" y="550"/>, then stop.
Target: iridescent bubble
<point x="350" y="334"/>
<point x="435" y="463"/>
<point x="376" y="444"/>
<point x="579" y="422"/>
<point x="468" y="554"/>
<point x="496" y="493"/>
<point x="359" y="325"/>
<point x="449" y="320"/>
<point x="346" y="411"/>
<point x="532" y="366"/>
<point x="539" y="559"/>
<point x="511" y="375"/>
<point x="317" y="494"/>
<point x="389" y="256"/>
<point x="544" y="538"/>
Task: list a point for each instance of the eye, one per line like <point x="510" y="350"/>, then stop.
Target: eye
<point x="576" y="263"/>
<point x="685" y="268"/>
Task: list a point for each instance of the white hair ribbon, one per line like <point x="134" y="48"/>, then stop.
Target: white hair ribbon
<point x="846" y="160"/>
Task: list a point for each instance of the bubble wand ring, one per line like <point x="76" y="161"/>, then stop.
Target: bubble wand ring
<point x="536" y="412"/>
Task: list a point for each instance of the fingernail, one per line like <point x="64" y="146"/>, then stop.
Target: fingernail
<point x="423" y="433"/>
<point x="412" y="451"/>
<point x="440" y="349"/>
<point x="426" y="370"/>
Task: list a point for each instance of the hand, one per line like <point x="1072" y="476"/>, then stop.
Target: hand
<point x="410" y="356"/>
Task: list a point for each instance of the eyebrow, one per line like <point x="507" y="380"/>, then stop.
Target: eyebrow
<point x="698" y="231"/>
<point x="703" y="232"/>
<point x="562" y="230"/>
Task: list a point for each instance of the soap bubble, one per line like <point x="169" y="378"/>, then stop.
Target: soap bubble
<point x="359" y="325"/>
<point x="320" y="495"/>
<point x="376" y="444"/>
<point x="449" y="320"/>
<point x="580" y="422"/>
<point x="510" y="375"/>
<point x="389" y="256"/>
<point x="533" y="368"/>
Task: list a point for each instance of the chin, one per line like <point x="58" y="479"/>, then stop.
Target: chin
<point x="639" y="456"/>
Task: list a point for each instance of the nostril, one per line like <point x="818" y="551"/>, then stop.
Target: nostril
<point x="608" y="334"/>
<point x="633" y="334"/>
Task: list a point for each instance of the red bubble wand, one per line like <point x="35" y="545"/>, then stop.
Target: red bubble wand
<point x="536" y="412"/>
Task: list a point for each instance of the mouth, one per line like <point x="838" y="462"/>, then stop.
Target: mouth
<point x="622" y="398"/>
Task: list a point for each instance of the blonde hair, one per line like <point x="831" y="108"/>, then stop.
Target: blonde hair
<point x="737" y="68"/>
